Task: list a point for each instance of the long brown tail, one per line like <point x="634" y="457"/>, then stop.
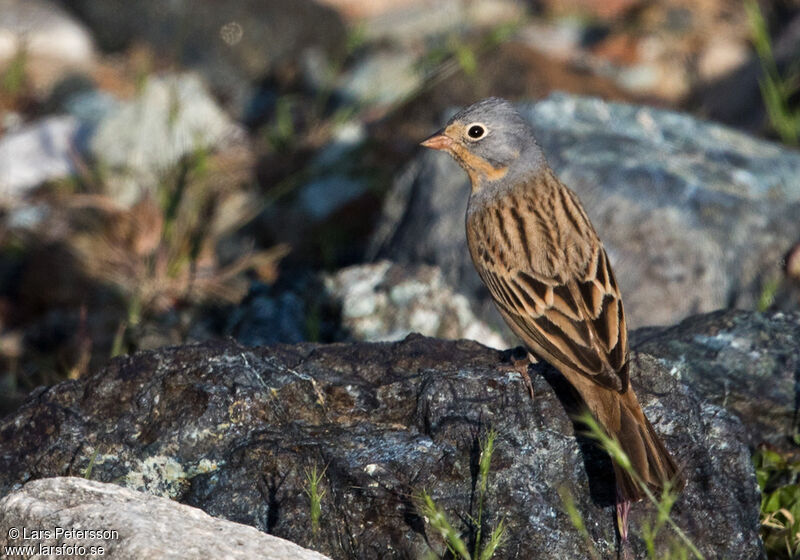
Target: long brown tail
<point x="649" y="458"/>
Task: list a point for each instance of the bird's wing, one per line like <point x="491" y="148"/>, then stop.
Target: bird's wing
<point x="579" y="322"/>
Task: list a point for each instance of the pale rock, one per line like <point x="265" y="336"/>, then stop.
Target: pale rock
<point x="130" y="525"/>
<point x="53" y="42"/>
<point x="42" y="151"/>
<point x="173" y="117"/>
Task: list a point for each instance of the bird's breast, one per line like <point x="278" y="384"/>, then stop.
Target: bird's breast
<point x="517" y="232"/>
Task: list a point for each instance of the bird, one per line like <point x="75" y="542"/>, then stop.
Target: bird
<point x="537" y="252"/>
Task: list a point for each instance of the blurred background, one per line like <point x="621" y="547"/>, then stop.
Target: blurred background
<point x="177" y="171"/>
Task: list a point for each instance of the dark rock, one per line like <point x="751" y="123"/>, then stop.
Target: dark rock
<point x="266" y="319"/>
<point x="748" y="363"/>
<point x="234" y="430"/>
<point x="695" y="216"/>
<point x="130" y="525"/>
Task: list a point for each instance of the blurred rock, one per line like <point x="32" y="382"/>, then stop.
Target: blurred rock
<point x="379" y="75"/>
<point x="173" y="117"/>
<point x="84" y="277"/>
<point x="11" y="121"/>
<point x="338" y="175"/>
<point x="382" y="78"/>
<point x="264" y="318"/>
<point x="695" y="216"/>
<point x="559" y="38"/>
<point x="91" y="106"/>
<point x="400" y="36"/>
<point x="235" y="45"/>
<point x="721" y="56"/>
<point x="80" y="96"/>
<point x="28" y="217"/>
<point x="323" y="202"/>
<point x="52" y="42"/>
<point x="373" y="302"/>
<point x="656" y="70"/>
<point x="345" y="140"/>
<point x="594" y="9"/>
<point x="322" y="197"/>
<point x="387" y="302"/>
<point x="406" y="21"/>
<point x="747" y="362"/>
<point x="132" y="525"/>
<point x="51" y="147"/>
<point x="42" y="151"/>
<point x="746" y="108"/>
<point x="662" y="49"/>
<point x="234" y="430"/>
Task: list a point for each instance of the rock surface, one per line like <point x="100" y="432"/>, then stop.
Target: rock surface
<point x="748" y="363"/>
<point x="695" y="216"/>
<point x="235" y="430"/>
<point x="132" y="525"/>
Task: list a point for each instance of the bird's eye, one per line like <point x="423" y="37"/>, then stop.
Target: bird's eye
<point x="476" y="131"/>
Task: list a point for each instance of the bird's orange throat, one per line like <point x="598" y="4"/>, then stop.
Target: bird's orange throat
<point x="478" y="169"/>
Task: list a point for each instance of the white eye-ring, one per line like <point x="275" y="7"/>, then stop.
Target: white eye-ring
<point x="476" y="131"/>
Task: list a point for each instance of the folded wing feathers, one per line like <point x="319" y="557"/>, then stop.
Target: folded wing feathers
<point x="581" y="323"/>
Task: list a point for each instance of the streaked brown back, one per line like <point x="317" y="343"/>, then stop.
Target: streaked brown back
<point x="546" y="269"/>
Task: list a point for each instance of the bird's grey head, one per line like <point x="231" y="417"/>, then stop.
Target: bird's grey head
<point x="490" y="140"/>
